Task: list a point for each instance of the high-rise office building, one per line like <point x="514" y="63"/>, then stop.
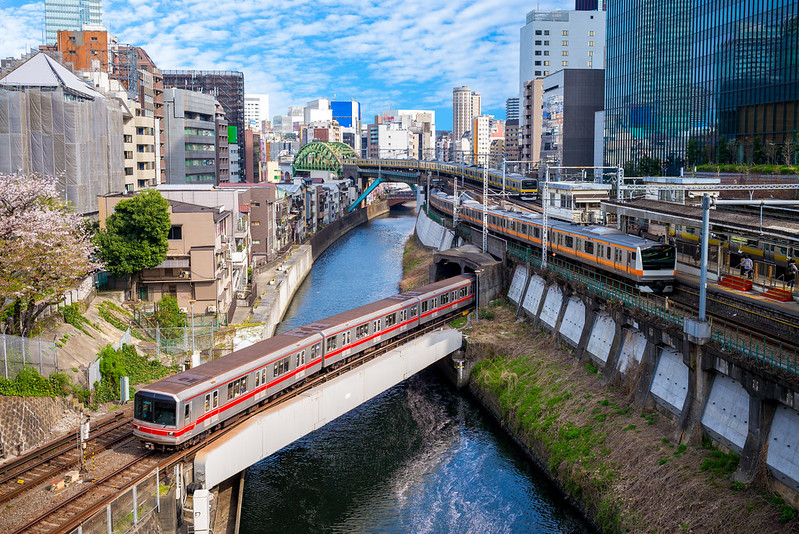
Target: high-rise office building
<point x="465" y="107"/>
<point x="256" y="111"/>
<point x="228" y="88"/>
<point x="71" y="15"/>
<point x="512" y="108"/>
<point x="555" y="40"/>
<point x="685" y="84"/>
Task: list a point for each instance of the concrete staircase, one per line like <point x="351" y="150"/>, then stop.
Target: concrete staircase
<point x="736" y="282"/>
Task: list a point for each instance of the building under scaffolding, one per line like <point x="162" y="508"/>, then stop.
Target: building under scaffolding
<point x="227" y="87"/>
<point x="52" y="123"/>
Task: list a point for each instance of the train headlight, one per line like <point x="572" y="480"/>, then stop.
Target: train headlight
<point x="170" y="433"/>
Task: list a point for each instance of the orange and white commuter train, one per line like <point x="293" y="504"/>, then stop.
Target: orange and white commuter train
<point x="649" y="265"/>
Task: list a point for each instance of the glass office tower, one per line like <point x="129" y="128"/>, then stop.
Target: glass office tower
<point x="70" y="15"/>
<point x="694" y="81"/>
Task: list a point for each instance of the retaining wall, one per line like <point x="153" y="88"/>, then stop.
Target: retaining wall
<point x="704" y="391"/>
<point x="431" y="234"/>
<point x="25" y="422"/>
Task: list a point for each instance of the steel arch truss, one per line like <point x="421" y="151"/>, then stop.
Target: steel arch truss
<point x="321" y="156"/>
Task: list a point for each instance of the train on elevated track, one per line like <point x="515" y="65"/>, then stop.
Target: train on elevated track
<point x="184" y="408"/>
<point x="516" y="185"/>
<point x="649" y="265"/>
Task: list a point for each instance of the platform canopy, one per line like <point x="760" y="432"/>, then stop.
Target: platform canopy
<point x="322" y="156"/>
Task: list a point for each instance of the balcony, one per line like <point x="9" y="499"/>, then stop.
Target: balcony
<point x="238" y="259"/>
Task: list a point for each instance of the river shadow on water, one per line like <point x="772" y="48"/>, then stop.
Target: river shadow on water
<point x="419" y="458"/>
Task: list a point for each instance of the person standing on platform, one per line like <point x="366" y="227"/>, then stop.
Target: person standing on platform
<point x="793" y="270"/>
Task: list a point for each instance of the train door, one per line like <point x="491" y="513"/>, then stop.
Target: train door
<point x="186" y="413"/>
<point x="211" y="406"/>
<point x="300" y="364"/>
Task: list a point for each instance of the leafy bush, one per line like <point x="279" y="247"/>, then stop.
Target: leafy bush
<point x="168" y="313"/>
<point x="29" y="383"/>
<point x="115" y="364"/>
<point x="72" y="315"/>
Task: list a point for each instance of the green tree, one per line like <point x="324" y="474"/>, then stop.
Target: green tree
<point x="168" y="313"/>
<point x="135" y="236"/>
<point x="649" y="166"/>
<point x="758" y="152"/>
<point x="693" y="152"/>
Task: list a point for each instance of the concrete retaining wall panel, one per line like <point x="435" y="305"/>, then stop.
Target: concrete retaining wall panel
<point x="432" y="234"/>
<point x="573" y="323"/>
<point x="726" y="415"/>
<point x="535" y="291"/>
<point x="602" y="334"/>
<point x="517" y="284"/>
<point x="670" y="383"/>
<point x="552" y="305"/>
<point x="783" y="449"/>
<point x="632" y="349"/>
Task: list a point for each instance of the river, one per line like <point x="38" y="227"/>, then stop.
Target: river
<point x="419" y="458"/>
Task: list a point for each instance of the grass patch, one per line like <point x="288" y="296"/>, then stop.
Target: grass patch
<point x="72" y="315"/>
<point x="721" y="463"/>
<point x="591" y="368"/>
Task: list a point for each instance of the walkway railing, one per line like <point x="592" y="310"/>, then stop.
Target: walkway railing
<point x="728" y="335"/>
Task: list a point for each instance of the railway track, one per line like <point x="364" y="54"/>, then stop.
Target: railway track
<point x="41" y="465"/>
<point x="94" y="495"/>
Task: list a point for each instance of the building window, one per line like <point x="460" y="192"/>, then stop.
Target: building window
<point x="175" y="232"/>
<point x="546" y="73"/>
<point x="590" y="43"/>
<point x="590" y="53"/>
<point x="591" y="33"/>
<point x="564" y="53"/>
<point x="256" y="223"/>
<point x="538" y="43"/>
<point x="564" y="63"/>
<point x="546" y="63"/>
<point x="256" y="241"/>
<point x="546" y="52"/>
<point x="546" y="43"/>
<point x="538" y="73"/>
<point x="537" y="52"/>
<point x="546" y="32"/>
<point x="538" y="32"/>
<point x="565" y="33"/>
<point x="537" y="63"/>
<point x="564" y="43"/>
<point x="590" y="63"/>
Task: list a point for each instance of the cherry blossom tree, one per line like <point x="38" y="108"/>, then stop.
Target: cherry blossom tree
<point x="45" y="249"/>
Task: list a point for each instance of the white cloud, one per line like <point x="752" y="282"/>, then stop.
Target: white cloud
<point x="408" y="53"/>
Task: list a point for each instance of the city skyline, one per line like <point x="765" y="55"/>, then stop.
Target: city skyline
<point x="393" y="56"/>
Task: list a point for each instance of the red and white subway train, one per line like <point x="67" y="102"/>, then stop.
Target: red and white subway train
<point x="649" y="265"/>
<point x="184" y="407"/>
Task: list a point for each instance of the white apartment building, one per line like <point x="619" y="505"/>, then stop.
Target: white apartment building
<point x="465" y="107"/>
<point x="555" y="40"/>
<point x="317" y="111"/>
<point x="256" y="111"/>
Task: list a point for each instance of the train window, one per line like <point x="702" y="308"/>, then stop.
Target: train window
<point x="230" y="391"/>
<point x="413" y="311"/>
<point x="391" y="319"/>
<point x="609" y="249"/>
<point x="257" y="378"/>
<point x="560" y="239"/>
<point x="302" y="359"/>
<point x="361" y="331"/>
<point x="569" y="241"/>
<point x="617" y="256"/>
<point x="444" y="298"/>
<point x="263" y="376"/>
<point x="331" y="343"/>
<point x="632" y="256"/>
<point x="186" y="412"/>
<point x="537" y="232"/>
<point x="216" y="399"/>
<point x="207" y="402"/>
<point x="600" y="250"/>
<point x="589" y="247"/>
<point x="435" y="303"/>
<point x="424" y="306"/>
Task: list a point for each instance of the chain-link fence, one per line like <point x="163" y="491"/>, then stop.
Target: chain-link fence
<point x="18" y="352"/>
<point x="197" y="335"/>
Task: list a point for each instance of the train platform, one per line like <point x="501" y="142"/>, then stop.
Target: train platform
<point x="689" y="275"/>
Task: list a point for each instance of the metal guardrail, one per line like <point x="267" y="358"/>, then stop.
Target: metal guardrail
<point x="726" y="334"/>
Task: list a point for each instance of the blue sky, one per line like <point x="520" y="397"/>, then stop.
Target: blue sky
<point x="403" y="54"/>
